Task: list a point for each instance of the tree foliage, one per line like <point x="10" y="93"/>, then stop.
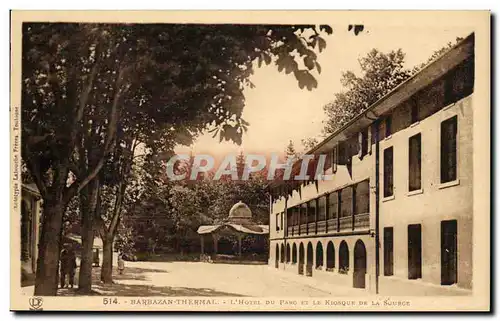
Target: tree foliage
<point x="380" y="73"/>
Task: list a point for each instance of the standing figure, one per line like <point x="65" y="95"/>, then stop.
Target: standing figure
<point x="121" y="263"/>
<point x="71" y="267"/>
<point x="63" y="267"/>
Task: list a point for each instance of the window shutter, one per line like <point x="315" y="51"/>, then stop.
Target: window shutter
<point x="335" y="156"/>
<point x="360" y="144"/>
<point x="369" y="140"/>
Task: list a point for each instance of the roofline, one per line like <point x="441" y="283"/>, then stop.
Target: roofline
<point x="469" y="38"/>
<point x="449" y="59"/>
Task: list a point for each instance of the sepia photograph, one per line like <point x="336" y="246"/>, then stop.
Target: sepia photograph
<point x="250" y="161"/>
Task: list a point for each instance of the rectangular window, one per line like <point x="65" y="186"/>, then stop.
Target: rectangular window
<point x="346" y="202"/>
<point x="277" y="222"/>
<point x="449" y="265"/>
<point x="449" y="150"/>
<point x="295" y="216"/>
<point x="388" y="172"/>
<point x="322" y="208"/>
<point x="333" y="205"/>
<point x="388" y="251"/>
<point x="303" y="213"/>
<point x="362" y="143"/>
<point x="282" y="221"/>
<point x="363" y="197"/>
<point x="312" y="211"/>
<point x="388" y="126"/>
<point x="414" y="251"/>
<point x="335" y="156"/>
<point x="415" y="163"/>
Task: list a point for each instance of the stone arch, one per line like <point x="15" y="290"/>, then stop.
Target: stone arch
<point x="343" y="258"/>
<point x="294" y="253"/>
<point x="282" y="256"/>
<point x="277" y="256"/>
<point x="319" y="254"/>
<point x="310" y="259"/>
<point x="359" y="275"/>
<point x="301" y="258"/>
<point x="288" y="253"/>
<point x="330" y="256"/>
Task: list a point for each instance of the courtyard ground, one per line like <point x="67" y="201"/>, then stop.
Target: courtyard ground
<point x="205" y="279"/>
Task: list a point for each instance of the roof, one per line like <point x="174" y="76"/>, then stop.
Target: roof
<point x="430" y="73"/>
<point x="240" y="210"/>
<point x="248" y="229"/>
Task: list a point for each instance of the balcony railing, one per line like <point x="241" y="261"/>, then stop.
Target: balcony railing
<point x="346" y="223"/>
<point x="362" y="221"/>
<point x="321" y="226"/>
<point x="332" y="225"/>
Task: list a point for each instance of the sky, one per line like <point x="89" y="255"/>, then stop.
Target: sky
<point x="278" y="111"/>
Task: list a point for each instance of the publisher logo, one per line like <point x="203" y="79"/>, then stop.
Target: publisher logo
<point x="36" y="303"/>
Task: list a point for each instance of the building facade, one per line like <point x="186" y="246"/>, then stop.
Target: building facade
<point x="399" y="207"/>
<point x="31" y="206"/>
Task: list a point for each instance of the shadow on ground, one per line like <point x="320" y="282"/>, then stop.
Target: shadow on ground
<point x="121" y="288"/>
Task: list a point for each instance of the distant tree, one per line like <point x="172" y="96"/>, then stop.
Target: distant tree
<point x="309" y="143"/>
<point x="380" y="73"/>
<point x="290" y="150"/>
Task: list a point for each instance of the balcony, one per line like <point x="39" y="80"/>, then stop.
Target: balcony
<point x="345" y="223"/>
<point x="321" y="227"/>
<point x="362" y="221"/>
<point x="332" y="225"/>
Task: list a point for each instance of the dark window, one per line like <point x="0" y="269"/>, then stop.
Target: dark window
<point x="343" y="258"/>
<point x="414" y="251"/>
<point x="277" y="222"/>
<point x="333" y="205"/>
<point x="388" y="172"/>
<point x="363" y="197"/>
<point x="388" y="126"/>
<point x="449" y="150"/>
<point x="303" y="213"/>
<point x="312" y="211"/>
<point x="346" y="202"/>
<point x="295" y="216"/>
<point x="282" y="222"/>
<point x="415" y="162"/>
<point x="363" y="143"/>
<point x="322" y="208"/>
<point x="449" y="266"/>
<point x="388" y="251"/>
<point x="335" y="158"/>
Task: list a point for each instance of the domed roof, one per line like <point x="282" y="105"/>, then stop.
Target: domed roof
<point x="240" y="210"/>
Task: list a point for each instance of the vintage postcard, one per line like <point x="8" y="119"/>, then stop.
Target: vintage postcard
<point x="250" y="161"/>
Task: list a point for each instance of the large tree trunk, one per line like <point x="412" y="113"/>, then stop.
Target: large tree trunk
<point x="46" y="280"/>
<point x="88" y="200"/>
<point x="107" y="259"/>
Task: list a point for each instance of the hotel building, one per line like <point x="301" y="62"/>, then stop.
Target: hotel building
<point x="398" y="210"/>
